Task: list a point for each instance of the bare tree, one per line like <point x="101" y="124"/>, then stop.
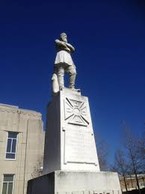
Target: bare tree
<point x="121" y="165"/>
<point x="130" y="161"/>
<point x="102" y="149"/>
<point x="141" y="152"/>
<point x="132" y="146"/>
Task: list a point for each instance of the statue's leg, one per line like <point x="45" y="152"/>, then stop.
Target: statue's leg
<point x="72" y="76"/>
<point x="60" y="75"/>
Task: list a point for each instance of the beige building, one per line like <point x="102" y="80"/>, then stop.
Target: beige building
<point x="131" y="182"/>
<point x="21" y="148"/>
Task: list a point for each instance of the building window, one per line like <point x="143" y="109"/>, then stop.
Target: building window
<point x="8" y="184"/>
<point x="11" y="145"/>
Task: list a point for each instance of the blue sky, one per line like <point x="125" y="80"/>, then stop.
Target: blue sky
<point x="109" y="37"/>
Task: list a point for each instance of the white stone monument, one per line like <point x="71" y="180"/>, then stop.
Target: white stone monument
<point x="70" y="158"/>
<point x="70" y="143"/>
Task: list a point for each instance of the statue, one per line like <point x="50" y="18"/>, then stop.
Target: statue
<point x="63" y="63"/>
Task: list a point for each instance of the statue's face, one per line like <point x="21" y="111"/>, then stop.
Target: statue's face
<point x="63" y="36"/>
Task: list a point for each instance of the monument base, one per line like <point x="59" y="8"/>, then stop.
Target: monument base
<point x="71" y="182"/>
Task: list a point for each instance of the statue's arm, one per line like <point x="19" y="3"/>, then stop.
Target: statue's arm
<point x="63" y="44"/>
<point x="70" y="47"/>
<point x="59" y="42"/>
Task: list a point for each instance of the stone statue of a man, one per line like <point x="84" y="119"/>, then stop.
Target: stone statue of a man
<point x="63" y="62"/>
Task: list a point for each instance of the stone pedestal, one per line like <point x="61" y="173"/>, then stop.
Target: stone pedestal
<point x="70" y="158"/>
<point x="69" y="143"/>
<point x="67" y="182"/>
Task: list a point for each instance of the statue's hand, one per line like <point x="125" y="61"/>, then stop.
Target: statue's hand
<point x="70" y="47"/>
<point x="67" y="49"/>
<point x="63" y="44"/>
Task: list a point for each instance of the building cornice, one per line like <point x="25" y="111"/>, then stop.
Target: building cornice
<point x="15" y="109"/>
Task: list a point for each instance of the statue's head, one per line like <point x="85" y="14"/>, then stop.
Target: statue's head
<point x="63" y="37"/>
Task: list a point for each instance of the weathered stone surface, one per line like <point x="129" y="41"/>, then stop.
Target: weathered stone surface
<point x="68" y="182"/>
<point x="70" y="142"/>
<point x="70" y="161"/>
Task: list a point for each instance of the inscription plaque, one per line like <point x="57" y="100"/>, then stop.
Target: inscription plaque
<point x="79" y="147"/>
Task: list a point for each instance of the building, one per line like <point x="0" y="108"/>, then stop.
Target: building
<point x="21" y="148"/>
<point x="130" y="182"/>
